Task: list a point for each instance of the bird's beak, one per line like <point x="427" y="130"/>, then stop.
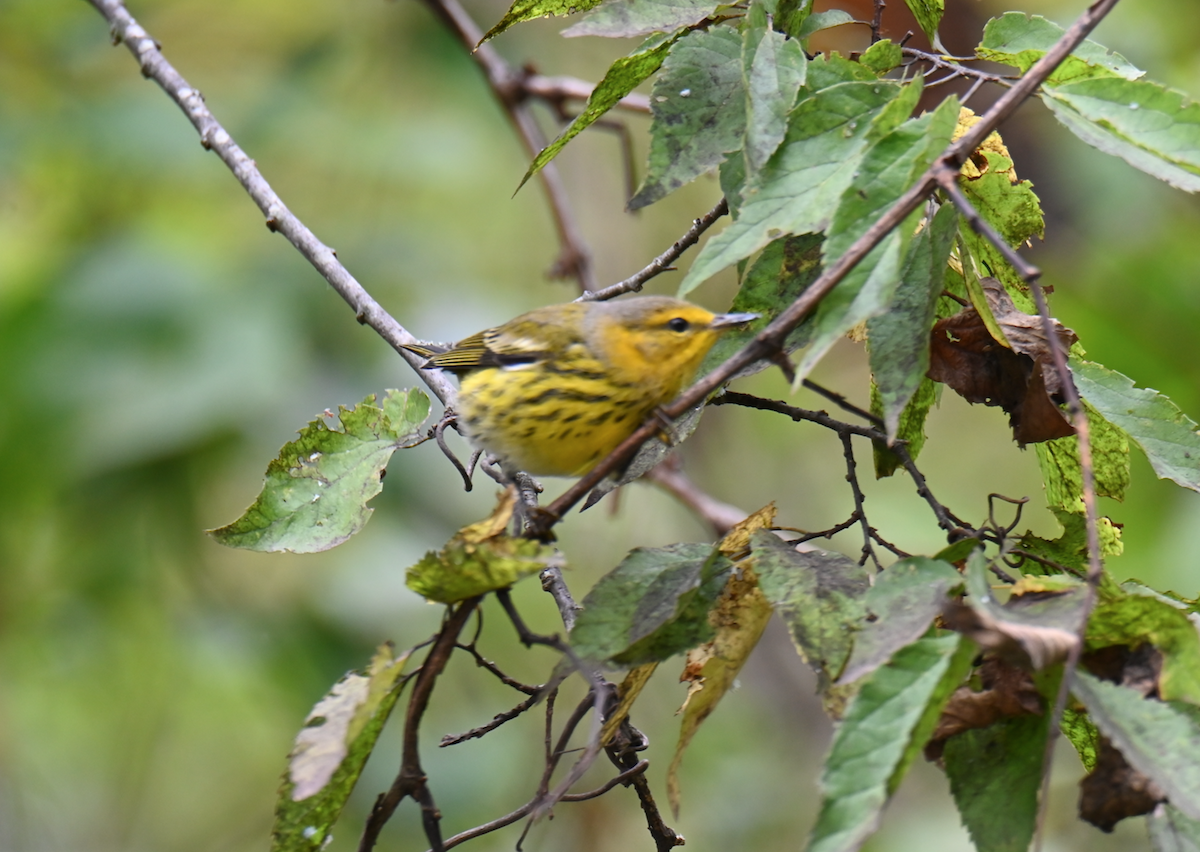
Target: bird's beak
<point x="721" y="321"/>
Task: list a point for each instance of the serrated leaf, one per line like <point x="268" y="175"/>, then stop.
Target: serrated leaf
<point x="1009" y="205"/>
<point x="818" y="594"/>
<point x="797" y="190"/>
<point x="818" y="21"/>
<point x="900" y="606"/>
<point x="1172" y="831"/>
<point x="885" y="726"/>
<point x="887" y="170"/>
<point x="929" y="15"/>
<point x="1149" y="126"/>
<point x="653" y="605"/>
<point x="773" y="70"/>
<point x="531" y="10"/>
<point x="316" y="492"/>
<point x="699" y="106"/>
<point x="899" y="338"/>
<point x="1158" y="740"/>
<point x="994" y="775"/>
<point x="882" y="56"/>
<point x="330" y="753"/>
<point x="622" y="77"/>
<point x="1141" y="616"/>
<point x="1166" y="435"/>
<point x="1019" y="40"/>
<point x="629" y="18"/>
<point x="480" y="558"/>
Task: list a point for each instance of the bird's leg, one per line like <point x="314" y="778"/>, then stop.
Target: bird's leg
<point x="666" y="432"/>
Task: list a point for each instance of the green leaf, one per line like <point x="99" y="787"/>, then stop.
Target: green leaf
<point x="621" y="78"/>
<point x="1020" y="41"/>
<point x="819" y="596"/>
<point x="629" y="18"/>
<point x="1142" y="616"/>
<point x="773" y="71"/>
<point x="1172" y="831"/>
<point x="479" y="558"/>
<point x="316" y="492"/>
<point x="1062" y="471"/>
<point x="530" y="10"/>
<point x="1070" y="549"/>
<point x="330" y="753"/>
<point x="995" y="774"/>
<point x="1149" y="126"/>
<point x="885" y="726"/>
<point x="797" y="190"/>
<point x="652" y="606"/>
<point x="779" y="275"/>
<point x="882" y="56"/>
<point x="1159" y="741"/>
<point x="929" y="15"/>
<point x="1007" y="204"/>
<point x="1166" y="435"/>
<point x="699" y="106"/>
<point x="899" y="338"/>
<point x="900" y="606"/>
<point x="910" y="428"/>
<point x="1083" y="735"/>
<point x="818" y="21"/>
<point x="886" y="172"/>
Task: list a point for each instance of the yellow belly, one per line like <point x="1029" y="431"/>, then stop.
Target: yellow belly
<point x="548" y="424"/>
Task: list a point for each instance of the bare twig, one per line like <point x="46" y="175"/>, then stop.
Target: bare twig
<point x="497" y="720"/>
<point x="410" y="780"/>
<point x="626" y="776"/>
<point x="509" y="85"/>
<point x="662" y="263"/>
<point x="877" y="21"/>
<point x="491" y="667"/>
<point x="954" y="526"/>
<point x="771" y="338"/>
<point x="868" y="552"/>
<point x="956" y="68"/>
<point x="279" y="218"/>
<point x="843" y="403"/>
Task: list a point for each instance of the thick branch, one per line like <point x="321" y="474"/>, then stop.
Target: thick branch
<point x="214" y="137"/>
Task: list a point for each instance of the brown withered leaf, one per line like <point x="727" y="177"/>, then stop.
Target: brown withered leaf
<point x="1137" y="668"/>
<point x="1114" y="790"/>
<point x="1016" y="373"/>
<point x="1007" y="691"/>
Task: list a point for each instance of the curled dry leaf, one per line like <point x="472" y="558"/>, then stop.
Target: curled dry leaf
<point x="1114" y="790"/>
<point x="1016" y="373"/>
<point x="1007" y="691"/>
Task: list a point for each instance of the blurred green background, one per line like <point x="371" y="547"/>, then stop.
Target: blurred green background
<point x="158" y="345"/>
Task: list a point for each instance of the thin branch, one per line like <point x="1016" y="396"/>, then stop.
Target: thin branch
<point x="556" y="90"/>
<point x="626" y="776"/>
<point x="957" y="69"/>
<point x="771" y="338"/>
<point x="497" y="720"/>
<point x="662" y="263"/>
<point x="954" y="526"/>
<point x="215" y="138"/>
<point x="510" y="86"/>
<point x="720" y="517"/>
<point x="868" y="552"/>
<point x="843" y="403"/>
<point x="491" y="667"/>
<point x="410" y="780"/>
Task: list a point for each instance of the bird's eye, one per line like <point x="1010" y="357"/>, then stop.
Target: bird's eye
<point x="678" y="324"/>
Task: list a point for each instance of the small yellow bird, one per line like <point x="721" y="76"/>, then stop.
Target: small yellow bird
<point x="555" y="390"/>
